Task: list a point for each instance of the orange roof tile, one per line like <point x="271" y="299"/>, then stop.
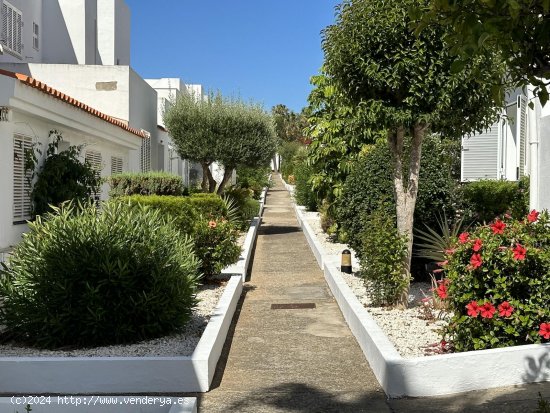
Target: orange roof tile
<point x="29" y="81"/>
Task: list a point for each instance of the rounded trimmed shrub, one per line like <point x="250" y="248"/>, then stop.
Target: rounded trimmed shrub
<point x="84" y="277"/>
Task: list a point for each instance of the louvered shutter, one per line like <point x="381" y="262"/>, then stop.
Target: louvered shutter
<point x="4" y="16"/>
<point x="145" y="163"/>
<point x="96" y="162"/>
<point x="116" y="165"/>
<point x="522" y="134"/>
<point x="17" y="38"/>
<point x="480" y="155"/>
<point x="21" y="179"/>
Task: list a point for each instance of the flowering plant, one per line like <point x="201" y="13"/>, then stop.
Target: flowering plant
<point x="497" y="284"/>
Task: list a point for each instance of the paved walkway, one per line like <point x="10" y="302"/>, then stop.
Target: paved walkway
<point x="290" y="360"/>
<point x="307" y="360"/>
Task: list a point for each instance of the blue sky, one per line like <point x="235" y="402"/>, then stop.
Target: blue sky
<point x="265" y="50"/>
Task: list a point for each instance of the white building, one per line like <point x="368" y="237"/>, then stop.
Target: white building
<point x="29" y="110"/>
<point x="514" y="147"/>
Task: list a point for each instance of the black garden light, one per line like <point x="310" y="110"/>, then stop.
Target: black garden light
<point x="346" y="262"/>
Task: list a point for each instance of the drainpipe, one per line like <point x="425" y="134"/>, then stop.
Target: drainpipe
<point x="534" y="135"/>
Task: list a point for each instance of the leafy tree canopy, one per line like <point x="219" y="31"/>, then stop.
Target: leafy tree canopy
<point x="518" y="29"/>
<point x="289" y="125"/>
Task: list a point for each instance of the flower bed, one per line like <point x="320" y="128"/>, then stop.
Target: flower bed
<point x="130" y="373"/>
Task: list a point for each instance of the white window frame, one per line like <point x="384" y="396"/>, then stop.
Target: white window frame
<point x="11" y="29"/>
<point x="116" y="165"/>
<point x="35" y="36"/>
<point x="22" y="203"/>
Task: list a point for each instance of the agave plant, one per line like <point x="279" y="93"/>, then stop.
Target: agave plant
<point x="434" y="243"/>
<point x="233" y="212"/>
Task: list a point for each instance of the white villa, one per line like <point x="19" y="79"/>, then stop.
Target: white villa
<point x="65" y="65"/>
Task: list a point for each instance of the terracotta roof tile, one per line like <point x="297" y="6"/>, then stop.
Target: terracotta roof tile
<point x="29" y="81"/>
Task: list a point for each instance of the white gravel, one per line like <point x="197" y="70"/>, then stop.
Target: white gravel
<point x="412" y="331"/>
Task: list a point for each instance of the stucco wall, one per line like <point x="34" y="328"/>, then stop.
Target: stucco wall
<point x="544" y="163"/>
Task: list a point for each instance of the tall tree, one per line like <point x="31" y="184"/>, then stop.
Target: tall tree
<point x="406" y="87"/>
<point x="220" y="130"/>
<point x="289" y="125"/>
<point x="519" y="29"/>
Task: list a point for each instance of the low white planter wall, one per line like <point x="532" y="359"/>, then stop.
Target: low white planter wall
<point x="108" y="375"/>
<point x="433" y="375"/>
<point x="99" y="404"/>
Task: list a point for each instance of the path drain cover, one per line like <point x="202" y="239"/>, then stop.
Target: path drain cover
<point x="292" y="306"/>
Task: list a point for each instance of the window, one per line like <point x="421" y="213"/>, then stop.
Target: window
<point x="145" y="158"/>
<point x="10" y="36"/>
<point x="35" y="36"/>
<point x="94" y="159"/>
<point x="21" y="180"/>
<point x="116" y="165"/>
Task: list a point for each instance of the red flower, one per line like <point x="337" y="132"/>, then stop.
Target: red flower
<point x="442" y="263"/>
<point x="441" y="291"/>
<point x="473" y="309"/>
<point x="519" y="252"/>
<point x="545" y="330"/>
<point x="450" y="251"/>
<point x="498" y="227"/>
<point x="212" y="224"/>
<point x="464" y="237"/>
<point x="533" y="216"/>
<point x="487" y="310"/>
<point x="505" y="309"/>
<point x="476" y="260"/>
<point x="477" y="245"/>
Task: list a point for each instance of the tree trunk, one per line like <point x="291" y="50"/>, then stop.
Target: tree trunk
<point x="208" y="181"/>
<point x="406" y="191"/>
<point x="227" y="174"/>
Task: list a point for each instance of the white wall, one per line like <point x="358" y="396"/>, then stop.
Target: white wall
<point x="113" y="32"/>
<point x="31" y="11"/>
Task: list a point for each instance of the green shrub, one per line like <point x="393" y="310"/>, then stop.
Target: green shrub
<point x="145" y="183"/>
<point x="370" y="184"/>
<point x="488" y="199"/>
<point x="287" y="151"/>
<point x="211" y="206"/>
<point x="62" y="177"/>
<point x="216" y="245"/>
<point x="382" y="254"/>
<point x="84" y="277"/>
<point x="303" y="192"/>
<point x="255" y="179"/>
<point x="180" y="210"/>
<point x="505" y="269"/>
<point x="246" y="206"/>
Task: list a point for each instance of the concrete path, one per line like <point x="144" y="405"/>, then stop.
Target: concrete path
<point x="290" y="360"/>
<point x="307" y="360"/>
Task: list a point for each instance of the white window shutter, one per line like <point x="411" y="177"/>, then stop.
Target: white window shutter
<point x="480" y="155"/>
<point x="4" y="17"/>
<point x="145" y="161"/>
<point x="116" y="165"/>
<point x="522" y="134"/>
<point x="22" y="206"/>
<point x="96" y="162"/>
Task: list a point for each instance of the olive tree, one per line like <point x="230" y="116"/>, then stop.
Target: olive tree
<point x="406" y="87"/>
<point x="222" y="130"/>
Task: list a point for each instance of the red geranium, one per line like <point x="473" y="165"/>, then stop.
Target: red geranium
<point x="476" y="260"/>
<point x="487" y="310"/>
<point x="533" y="216"/>
<point x="519" y="252"/>
<point x="498" y="227"/>
<point x="505" y="309"/>
<point x="473" y="309"/>
<point x="442" y="263"/>
<point x="464" y="237"/>
<point x="212" y="224"/>
<point x="477" y="245"/>
<point x="544" y="330"/>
